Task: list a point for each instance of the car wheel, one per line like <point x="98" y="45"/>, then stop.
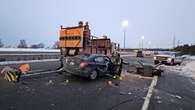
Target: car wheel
<point x="172" y="62"/>
<point x="156" y="62"/>
<point x="93" y="75"/>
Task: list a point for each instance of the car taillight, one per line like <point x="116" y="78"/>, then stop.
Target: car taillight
<point x="83" y="65"/>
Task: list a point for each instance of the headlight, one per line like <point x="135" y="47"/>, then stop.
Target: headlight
<point x="169" y="59"/>
<point x="154" y="58"/>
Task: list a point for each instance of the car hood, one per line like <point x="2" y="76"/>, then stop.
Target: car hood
<point x="163" y="56"/>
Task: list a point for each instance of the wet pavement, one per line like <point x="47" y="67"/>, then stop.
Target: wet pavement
<point x="173" y="92"/>
<point x="65" y="92"/>
<point x="56" y="91"/>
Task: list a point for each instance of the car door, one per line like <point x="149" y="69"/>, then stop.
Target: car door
<point x="108" y="63"/>
<point x="100" y="65"/>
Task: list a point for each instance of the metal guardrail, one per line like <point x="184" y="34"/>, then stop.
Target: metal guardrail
<point x="15" y="54"/>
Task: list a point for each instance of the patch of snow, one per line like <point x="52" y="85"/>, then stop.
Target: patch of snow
<point x="187" y="68"/>
<point x="192" y="57"/>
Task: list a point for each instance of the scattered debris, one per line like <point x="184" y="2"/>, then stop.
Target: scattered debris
<point x="114" y="77"/>
<point x="109" y="82"/>
<point x="120" y="78"/>
<point x="125" y="93"/>
<point x="159" y="101"/>
<point x="52" y="104"/>
<point x="122" y="93"/>
<point x="158" y="97"/>
<point x="176" y="96"/>
<point x="129" y="93"/>
<point x="50" y="82"/>
<point x="179" y="97"/>
<point x="99" y="88"/>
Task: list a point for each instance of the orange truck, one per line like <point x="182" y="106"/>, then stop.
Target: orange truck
<point x="78" y="39"/>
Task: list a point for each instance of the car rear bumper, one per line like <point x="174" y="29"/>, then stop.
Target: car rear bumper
<point x="79" y="72"/>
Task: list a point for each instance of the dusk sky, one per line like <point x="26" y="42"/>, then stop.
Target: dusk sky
<point x="158" y="20"/>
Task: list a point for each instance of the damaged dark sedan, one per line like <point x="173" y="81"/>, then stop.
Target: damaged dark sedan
<point x="92" y="66"/>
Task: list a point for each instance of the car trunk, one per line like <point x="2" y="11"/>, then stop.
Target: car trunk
<point x="72" y="64"/>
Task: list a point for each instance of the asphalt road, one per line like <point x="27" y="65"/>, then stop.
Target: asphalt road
<point x="56" y="91"/>
<point x="173" y="92"/>
<point x="65" y="92"/>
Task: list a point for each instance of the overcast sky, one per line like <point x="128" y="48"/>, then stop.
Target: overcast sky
<point x="158" y="20"/>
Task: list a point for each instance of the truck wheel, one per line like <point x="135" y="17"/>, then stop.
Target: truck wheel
<point x="93" y="75"/>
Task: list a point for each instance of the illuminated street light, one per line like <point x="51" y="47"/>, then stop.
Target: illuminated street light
<point x="125" y="25"/>
<point x="142" y="38"/>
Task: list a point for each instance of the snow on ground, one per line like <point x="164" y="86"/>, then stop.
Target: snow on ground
<point x="187" y="68"/>
<point x="192" y="57"/>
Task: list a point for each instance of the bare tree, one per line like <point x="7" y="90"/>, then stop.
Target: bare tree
<point x="1" y="43"/>
<point x="40" y="45"/>
<point x="56" y="45"/>
<point x="22" y="44"/>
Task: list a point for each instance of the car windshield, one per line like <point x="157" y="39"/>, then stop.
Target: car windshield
<point x="167" y="53"/>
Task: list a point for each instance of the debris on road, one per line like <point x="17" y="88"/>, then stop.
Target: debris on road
<point x="129" y="93"/>
<point x="114" y="77"/>
<point x="67" y="81"/>
<point x="176" y="96"/>
<point x="52" y="104"/>
<point x="124" y="93"/>
<point x="159" y="101"/>
<point x="158" y="97"/>
<point x="109" y="82"/>
<point x="13" y="74"/>
<point x="50" y="82"/>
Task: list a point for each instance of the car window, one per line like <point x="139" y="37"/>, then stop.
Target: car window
<point x="99" y="59"/>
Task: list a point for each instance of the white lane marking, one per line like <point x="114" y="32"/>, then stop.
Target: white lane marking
<point x="27" y="61"/>
<point x="149" y="94"/>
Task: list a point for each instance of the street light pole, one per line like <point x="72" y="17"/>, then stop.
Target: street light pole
<point x="124" y="25"/>
<point x="124" y="37"/>
<point x="142" y="38"/>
